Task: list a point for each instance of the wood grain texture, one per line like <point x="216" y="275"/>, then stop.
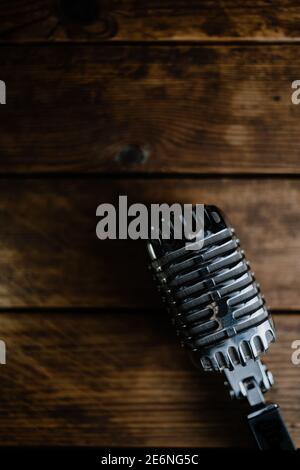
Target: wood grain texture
<point x="154" y="20"/>
<point x="50" y="255"/>
<point x="122" y="380"/>
<point x="149" y="109"/>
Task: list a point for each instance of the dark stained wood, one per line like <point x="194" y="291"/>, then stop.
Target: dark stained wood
<point x="149" y="109"/>
<point x="117" y="380"/>
<point x="114" y="375"/>
<point x="115" y="20"/>
<point x="50" y="256"/>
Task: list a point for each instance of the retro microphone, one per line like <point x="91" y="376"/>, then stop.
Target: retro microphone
<point x="221" y="317"/>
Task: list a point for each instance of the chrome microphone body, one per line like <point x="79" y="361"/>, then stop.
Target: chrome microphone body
<point x="216" y="306"/>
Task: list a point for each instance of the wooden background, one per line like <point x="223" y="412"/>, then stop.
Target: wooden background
<point x="164" y="101"/>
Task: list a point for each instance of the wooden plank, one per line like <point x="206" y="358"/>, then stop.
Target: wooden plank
<point x="51" y="257"/>
<point x="122" y="380"/>
<point x="149" y="109"/>
<point x="111" y="20"/>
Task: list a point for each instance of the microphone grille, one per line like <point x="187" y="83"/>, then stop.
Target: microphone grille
<point x="216" y="304"/>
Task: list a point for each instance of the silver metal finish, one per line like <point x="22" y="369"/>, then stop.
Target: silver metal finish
<point x="218" y="310"/>
<point x="221" y="317"/>
<point x="249" y="381"/>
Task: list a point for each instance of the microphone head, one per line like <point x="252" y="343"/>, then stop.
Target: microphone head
<point x="216" y="304"/>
